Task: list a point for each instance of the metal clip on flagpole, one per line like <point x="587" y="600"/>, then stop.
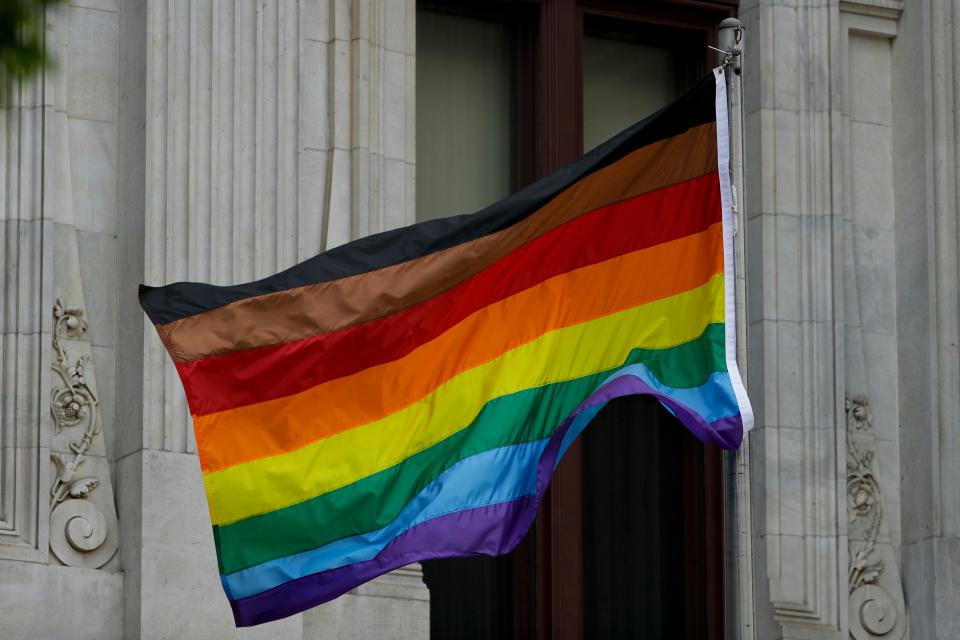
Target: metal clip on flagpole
<point x="730" y="39"/>
<point x="739" y="525"/>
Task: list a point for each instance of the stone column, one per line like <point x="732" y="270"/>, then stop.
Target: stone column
<point x="927" y="172"/>
<point x="254" y="135"/>
<point x="795" y="318"/>
<point x="823" y="330"/>
<point x="26" y="245"/>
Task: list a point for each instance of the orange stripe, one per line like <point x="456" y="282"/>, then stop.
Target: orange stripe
<point x="255" y="431"/>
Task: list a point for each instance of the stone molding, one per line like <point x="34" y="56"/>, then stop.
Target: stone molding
<point x="888" y="9"/>
<point x="877" y="608"/>
<point x="83" y="531"/>
<point x="26" y="252"/>
<point x="944" y="204"/>
<point x="876" y="604"/>
<point x="83" y="528"/>
<point x="47" y="357"/>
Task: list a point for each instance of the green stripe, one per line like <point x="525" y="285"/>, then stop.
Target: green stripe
<point x="374" y="501"/>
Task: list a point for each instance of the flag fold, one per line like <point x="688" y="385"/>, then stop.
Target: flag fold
<point x="407" y="396"/>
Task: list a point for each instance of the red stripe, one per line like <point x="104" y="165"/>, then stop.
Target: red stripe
<point x="231" y="380"/>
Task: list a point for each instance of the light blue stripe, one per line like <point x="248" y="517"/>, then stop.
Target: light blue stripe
<point x="713" y="400"/>
<point x="486" y="478"/>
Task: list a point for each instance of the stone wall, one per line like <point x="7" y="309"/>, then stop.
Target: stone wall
<point x="851" y="202"/>
<point x="173" y="141"/>
<point x="223" y="141"/>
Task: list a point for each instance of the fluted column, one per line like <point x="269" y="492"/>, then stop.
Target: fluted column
<point x="266" y="132"/>
<point x="795" y="315"/>
<point x="26" y="245"/>
<point x="273" y="130"/>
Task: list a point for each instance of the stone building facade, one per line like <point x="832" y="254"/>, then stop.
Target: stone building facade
<point x="225" y="140"/>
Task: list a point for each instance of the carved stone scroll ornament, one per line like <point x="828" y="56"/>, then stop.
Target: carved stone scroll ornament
<point x="80" y="534"/>
<point x="872" y="572"/>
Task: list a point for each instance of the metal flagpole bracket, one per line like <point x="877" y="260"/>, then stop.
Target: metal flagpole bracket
<point x="730" y="41"/>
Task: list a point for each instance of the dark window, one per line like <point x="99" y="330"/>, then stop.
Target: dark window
<point x="463" y="123"/>
<point x="628" y="540"/>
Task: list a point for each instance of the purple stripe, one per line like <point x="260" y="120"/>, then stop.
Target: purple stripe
<point x="726" y="433"/>
<point x="489" y="530"/>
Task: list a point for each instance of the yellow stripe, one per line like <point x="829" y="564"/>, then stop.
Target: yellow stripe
<point x="279" y="481"/>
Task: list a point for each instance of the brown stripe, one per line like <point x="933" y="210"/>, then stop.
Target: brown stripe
<point x="329" y="306"/>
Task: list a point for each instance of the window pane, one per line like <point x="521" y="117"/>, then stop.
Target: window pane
<point x="627" y="75"/>
<point x="463" y="114"/>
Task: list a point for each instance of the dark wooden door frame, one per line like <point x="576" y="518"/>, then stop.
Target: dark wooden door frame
<point x="559" y="523"/>
<point x="559" y="533"/>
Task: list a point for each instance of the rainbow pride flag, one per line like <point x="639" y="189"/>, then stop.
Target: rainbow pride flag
<point x="407" y="396"/>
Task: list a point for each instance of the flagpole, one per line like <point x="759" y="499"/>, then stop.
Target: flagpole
<point x="740" y="598"/>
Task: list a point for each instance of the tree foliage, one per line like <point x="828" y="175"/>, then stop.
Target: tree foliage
<point x="22" y="42"/>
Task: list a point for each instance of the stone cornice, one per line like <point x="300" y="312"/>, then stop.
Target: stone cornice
<point x="890" y="9"/>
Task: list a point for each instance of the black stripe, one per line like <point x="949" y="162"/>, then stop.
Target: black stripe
<point x="183" y="299"/>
